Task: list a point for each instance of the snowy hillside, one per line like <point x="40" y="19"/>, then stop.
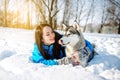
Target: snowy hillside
<point x="16" y="46"/>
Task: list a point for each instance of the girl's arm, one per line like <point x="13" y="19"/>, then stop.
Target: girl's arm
<point x="38" y="58"/>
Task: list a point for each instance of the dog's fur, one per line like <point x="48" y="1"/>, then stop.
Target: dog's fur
<point x="75" y="43"/>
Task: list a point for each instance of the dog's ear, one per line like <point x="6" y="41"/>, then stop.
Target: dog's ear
<point x="76" y="26"/>
<point x="64" y="26"/>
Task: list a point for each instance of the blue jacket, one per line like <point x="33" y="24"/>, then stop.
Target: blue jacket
<point x="38" y="58"/>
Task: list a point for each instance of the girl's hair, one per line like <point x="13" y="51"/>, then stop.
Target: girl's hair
<point x="38" y="39"/>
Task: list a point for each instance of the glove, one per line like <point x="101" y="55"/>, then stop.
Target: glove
<point x="64" y="61"/>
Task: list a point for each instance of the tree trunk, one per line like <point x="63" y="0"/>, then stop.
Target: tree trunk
<point x="89" y="12"/>
<point x="28" y="16"/>
<point x="5" y="12"/>
<point x="66" y="14"/>
<point x="119" y="27"/>
<point x="100" y="30"/>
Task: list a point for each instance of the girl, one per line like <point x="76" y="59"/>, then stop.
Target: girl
<point x="47" y="50"/>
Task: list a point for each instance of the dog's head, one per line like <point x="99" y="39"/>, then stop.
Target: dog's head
<point x="73" y="39"/>
<point x="73" y="36"/>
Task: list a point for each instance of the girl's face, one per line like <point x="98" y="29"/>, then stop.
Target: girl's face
<point x="48" y="36"/>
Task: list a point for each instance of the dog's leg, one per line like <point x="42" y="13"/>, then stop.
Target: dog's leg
<point x="84" y="56"/>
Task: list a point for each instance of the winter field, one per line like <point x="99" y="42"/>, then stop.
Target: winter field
<point x="16" y="47"/>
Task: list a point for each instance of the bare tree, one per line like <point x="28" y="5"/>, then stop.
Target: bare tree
<point x="66" y="14"/>
<point x="76" y="16"/>
<point x="103" y="17"/>
<point x="52" y="11"/>
<point x="17" y="14"/>
<point x="28" y="14"/>
<point x="89" y="12"/>
<point x="1" y="18"/>
<point x="41" y="9"/>
<point x="92" y="13"/>
<point x="5" y="12"/>
<point x="48" y="11"/>
<point x="54" y="17"/>
<point x="116" y="3"/>
<point x="81" y="10"/>
<point x="117" y="14"/>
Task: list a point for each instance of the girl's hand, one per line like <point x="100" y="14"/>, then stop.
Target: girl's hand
<point x="75" y="59"/>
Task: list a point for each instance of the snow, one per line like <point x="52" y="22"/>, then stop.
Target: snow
<point x="16" y="46"/>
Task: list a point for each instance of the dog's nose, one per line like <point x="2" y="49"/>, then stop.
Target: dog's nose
<point x="61" y="42"/>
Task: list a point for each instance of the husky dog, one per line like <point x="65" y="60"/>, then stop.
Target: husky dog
<point x="75" y="44"/>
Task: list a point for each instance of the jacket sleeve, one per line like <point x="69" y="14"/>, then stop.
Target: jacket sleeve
<point x="38" y="58"/>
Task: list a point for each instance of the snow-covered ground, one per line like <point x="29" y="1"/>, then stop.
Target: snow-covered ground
<point x="16" y="47"/>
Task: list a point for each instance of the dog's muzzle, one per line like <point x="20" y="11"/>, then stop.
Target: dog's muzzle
<point x="62" y="43"/>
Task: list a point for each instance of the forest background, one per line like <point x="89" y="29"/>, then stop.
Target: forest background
<point x="94" y="16"/>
